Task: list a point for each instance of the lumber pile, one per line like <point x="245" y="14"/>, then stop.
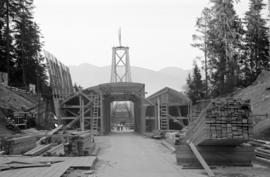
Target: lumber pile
<point x="223" y="122"/>
<point x="262" y="148"/>
<point x="57" y="150"/>
<point x="18" y="145"/>
<point x="219" y="135"/>
<point x="40" y="149"/>
<point x="80" y="144"/>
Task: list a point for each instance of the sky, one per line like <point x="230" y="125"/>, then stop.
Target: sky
<point x="158" y="32"/>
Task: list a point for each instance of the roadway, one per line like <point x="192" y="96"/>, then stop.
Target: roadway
<point x="131" y="155"/>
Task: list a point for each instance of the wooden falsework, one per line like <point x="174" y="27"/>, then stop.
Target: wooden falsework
<point x="93" y="105"/>
<point x="60" y="80"/>
<point x="83" y="107"/>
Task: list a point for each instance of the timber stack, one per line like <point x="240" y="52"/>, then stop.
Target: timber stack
<point x="223" y="122"/>
<point x="219" y="134"/>
<point x="80" y="144"/>
<point x="262" y="149"/>
<point x="18" y="145"/>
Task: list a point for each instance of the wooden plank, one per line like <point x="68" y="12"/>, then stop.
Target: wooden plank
<point x="55" y="170"/>
<point x="201" y="160"/>
<point x="38" y="150"/>
<point x="53" y="131"/>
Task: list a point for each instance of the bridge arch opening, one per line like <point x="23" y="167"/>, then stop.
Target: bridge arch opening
<point x="122" y="116"/>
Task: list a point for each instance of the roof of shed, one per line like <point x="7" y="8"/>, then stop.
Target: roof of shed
<point x="167" y="90"/>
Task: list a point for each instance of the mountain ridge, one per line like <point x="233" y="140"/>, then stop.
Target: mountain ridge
<point x="173" y="77"/>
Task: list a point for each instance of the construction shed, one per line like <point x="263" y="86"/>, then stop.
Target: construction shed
<point x="170" y="110"/>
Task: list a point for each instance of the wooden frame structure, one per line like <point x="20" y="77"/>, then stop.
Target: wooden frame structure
<point x="59" y="79"/>
<point x="91" y="107"/>
<point x="169" y="106"/>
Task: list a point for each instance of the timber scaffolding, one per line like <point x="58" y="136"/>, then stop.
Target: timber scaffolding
<point x="60" y="80"/>
<point x="91" y="108"/>
<point x="170" y="110"/>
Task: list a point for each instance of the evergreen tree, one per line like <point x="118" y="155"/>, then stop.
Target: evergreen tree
<point x="256" y="43"/>
<point x="224" y="47"/>
<point x="28" y="48"/>
<point x="195" y="85"/>
<point x="200" y="41"/>
<point x="20" y="45"/>
<point x="8" y="12"/>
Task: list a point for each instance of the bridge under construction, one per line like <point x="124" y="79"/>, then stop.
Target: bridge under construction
<point x="97" y="108"/>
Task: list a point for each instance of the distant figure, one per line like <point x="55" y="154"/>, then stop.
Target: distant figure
<point x="118" y="127"/>
<point x="121" y="127"/>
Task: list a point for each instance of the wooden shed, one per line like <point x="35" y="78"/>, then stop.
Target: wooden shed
<point x="170" y="110"/>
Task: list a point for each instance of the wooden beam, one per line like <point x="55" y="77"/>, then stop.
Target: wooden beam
<point x="200" y="159"/>
<point x="72" y="118"/>
<point x="81" y="113"/>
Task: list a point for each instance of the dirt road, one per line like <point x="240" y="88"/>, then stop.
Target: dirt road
<point x="131" y="155"/>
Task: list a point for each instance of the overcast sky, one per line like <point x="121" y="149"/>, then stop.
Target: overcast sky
<point x="158" y="32"/>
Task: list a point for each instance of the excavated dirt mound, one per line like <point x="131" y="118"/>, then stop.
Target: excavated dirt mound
<point x="13" y="101"/>
<point x="259" y="95"/>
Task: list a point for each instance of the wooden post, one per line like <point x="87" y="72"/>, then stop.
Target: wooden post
<point x="101" y="115"/>
<point x="158" y="114"/>
<point x="81" y="113"/>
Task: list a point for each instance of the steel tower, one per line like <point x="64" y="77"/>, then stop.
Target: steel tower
<point x="120" y="71"/>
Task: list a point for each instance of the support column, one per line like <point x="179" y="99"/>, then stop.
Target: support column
<point x="81" y="113"/>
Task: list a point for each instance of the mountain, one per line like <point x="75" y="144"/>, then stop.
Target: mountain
<point x="88" y="75"/>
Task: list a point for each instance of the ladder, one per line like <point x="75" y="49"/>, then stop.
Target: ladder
<point x="164" y="122"/>
<point x="95" y="115"/>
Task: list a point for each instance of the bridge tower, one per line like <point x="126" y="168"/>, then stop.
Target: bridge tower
<point x="120" y="72"/>
<point x="120" y="69"/>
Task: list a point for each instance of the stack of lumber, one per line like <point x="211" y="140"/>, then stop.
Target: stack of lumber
<point x="18" y="145"/>
<point x="57" y="150"/>
<point x="40" y="149"/>
<point x="80" y="144"/>
<point x="219" y="134"/>
<point x="262" y="148"/>
<point x="223" y="122"/>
